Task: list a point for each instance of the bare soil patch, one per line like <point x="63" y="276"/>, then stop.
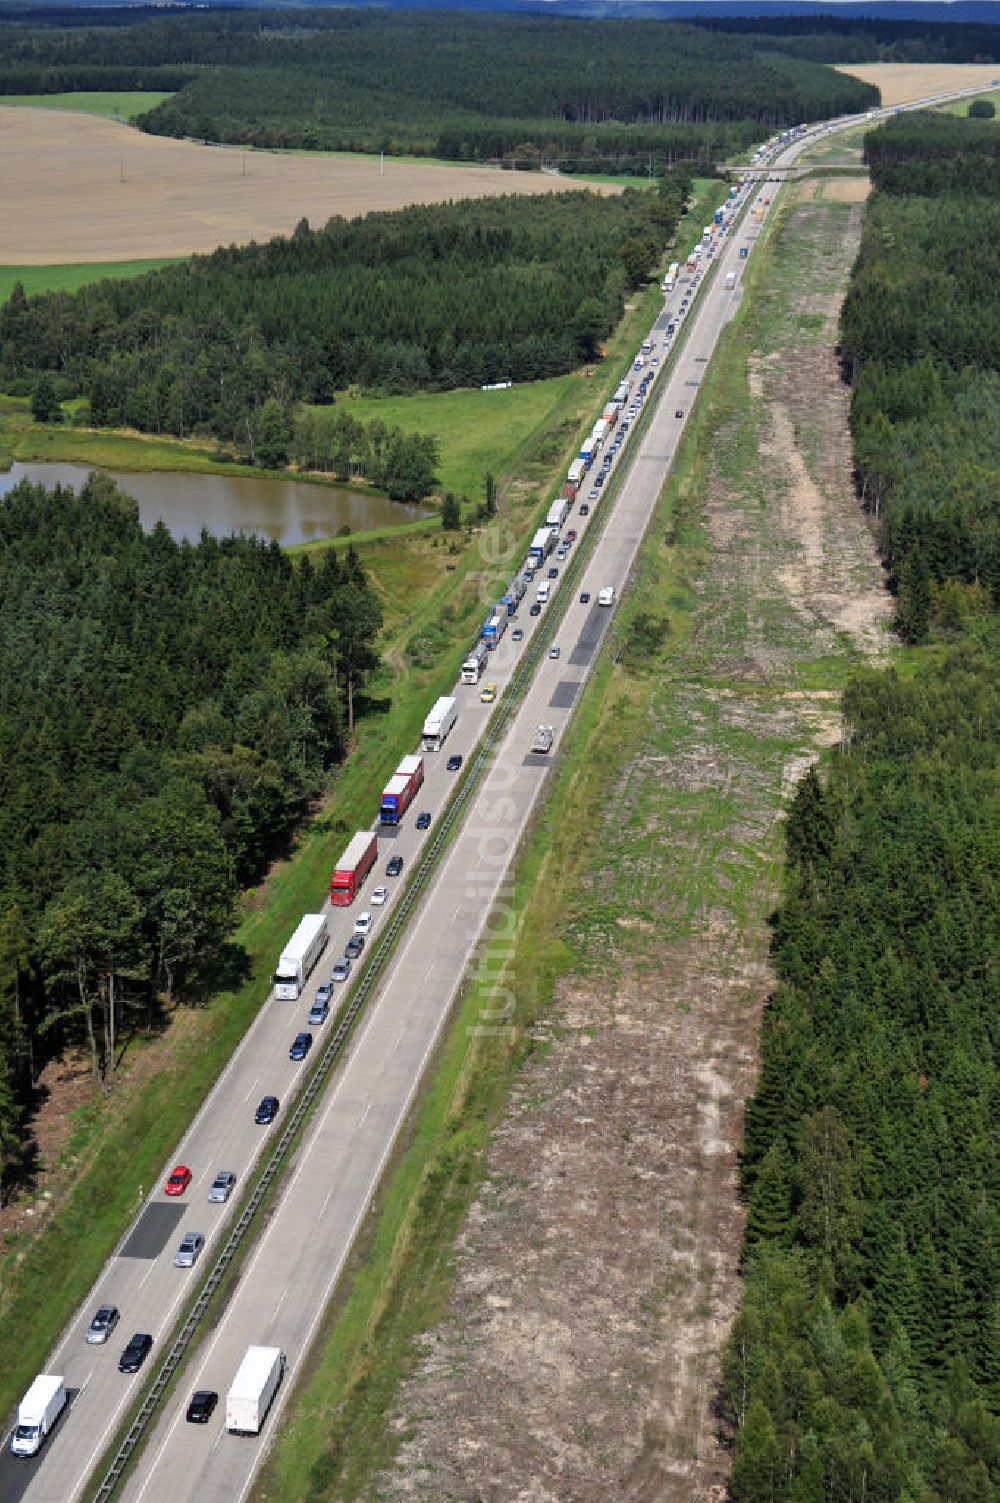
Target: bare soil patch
<point x="80" y="188"/>
<point x="842" y="190"/>
<point x="901" y="82"/>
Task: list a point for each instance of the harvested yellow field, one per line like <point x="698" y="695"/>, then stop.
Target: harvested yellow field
<point x="902" y="82"/>
<point x="81" y="188"/>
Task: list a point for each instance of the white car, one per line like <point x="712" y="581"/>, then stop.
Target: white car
<point x="379" y="895"/>
<point x="607" y="595"/>
<point x="363" y="923"/>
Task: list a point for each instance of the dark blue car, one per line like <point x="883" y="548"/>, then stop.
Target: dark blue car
<point x="301" y="1046"/>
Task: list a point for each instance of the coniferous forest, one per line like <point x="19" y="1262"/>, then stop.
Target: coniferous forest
<point x="167" y="710"/>
<point x="865" y="1362"/>
<point x="606" y="95"/>
<point x="921" y="340"/>
<point x="512" y="288"/>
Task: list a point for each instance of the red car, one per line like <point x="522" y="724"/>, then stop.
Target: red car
<point x="178" y="1180"/>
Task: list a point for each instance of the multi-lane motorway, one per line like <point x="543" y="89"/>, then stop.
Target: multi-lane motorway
<point x="296" y="1261"/>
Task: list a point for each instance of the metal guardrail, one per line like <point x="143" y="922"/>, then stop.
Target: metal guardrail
<point x="418" y="881"/>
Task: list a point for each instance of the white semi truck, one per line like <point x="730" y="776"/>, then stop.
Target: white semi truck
<point x="439" y="722"/>
<point x="475" y="663"/>
<point x="299" y="956"/>
<point x="253" y="1389"/>
<point x="37" y="1413"/>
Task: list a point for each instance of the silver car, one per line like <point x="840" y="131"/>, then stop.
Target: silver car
<point x="102" y="1325"/>
<point x="222" y="1185"/>
<point x="189" y="1251"/>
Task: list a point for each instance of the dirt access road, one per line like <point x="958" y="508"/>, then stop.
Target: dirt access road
<point x="80" y="188"/>
<point x="596" y="1275"/>
<point x="901" y="82"/>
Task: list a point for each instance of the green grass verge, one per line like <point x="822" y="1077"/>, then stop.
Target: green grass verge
<point x="121" y="104"/>
<point x="37" y="279"/>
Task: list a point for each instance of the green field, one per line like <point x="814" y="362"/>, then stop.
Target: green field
<point x="121" y="104"/>
<point x="961" y="106"/>
<point x="477" y="430"/>
<point x="36" y="279"/>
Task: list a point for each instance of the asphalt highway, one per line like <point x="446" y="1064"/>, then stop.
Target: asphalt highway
<point x="297" y="1259"/>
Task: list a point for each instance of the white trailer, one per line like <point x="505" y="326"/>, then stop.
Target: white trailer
<point x="542" y="545"/>
<point x="299" y="956"/>
<point x="37" y="1413"/>
<point x="439" y="722"/>
<point x="474" y="664"/>
<point x="253" y="1389"/>
<point x="557" y="513"/>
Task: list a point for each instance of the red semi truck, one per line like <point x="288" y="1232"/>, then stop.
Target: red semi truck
<point x="352" y="868"/>
<point x="401" y="789"/>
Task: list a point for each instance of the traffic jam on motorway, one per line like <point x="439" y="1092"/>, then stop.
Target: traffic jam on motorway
<point x="406" y="793"/>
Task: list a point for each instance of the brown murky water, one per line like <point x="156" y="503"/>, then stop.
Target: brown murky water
<point x="285" y="511"/>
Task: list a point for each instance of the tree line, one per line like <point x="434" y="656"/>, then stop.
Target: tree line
<point x="920" y="332"/>
<point x="167" y="711"/>
<point x="865" y="1361"/>
<point x="461" y="294"/>
<point x="596" y="92"/>
<point x="934" y="155"/>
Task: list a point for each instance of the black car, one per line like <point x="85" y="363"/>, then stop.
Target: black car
<point x="201" y="1407"/>
<point x="267" y="1111"/>
<point x="536" y="608"/>
<point x="301" y="1045"/>
<point x="423" y="821"/>
<point x="585" y="510"/>
<point x="454" y="762"/>
<point x="553" y="572"/>
<point x="395" y="866"/>
<point x="354" y="946"/>
<point x="585" y="597"/>
<point x="135" y="1353"/>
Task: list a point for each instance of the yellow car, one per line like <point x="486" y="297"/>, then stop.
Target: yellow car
<point x="489" y="694"/>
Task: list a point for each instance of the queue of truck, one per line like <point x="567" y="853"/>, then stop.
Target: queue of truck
<point x="261" y="1371"/>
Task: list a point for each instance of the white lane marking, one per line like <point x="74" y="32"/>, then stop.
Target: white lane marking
<point x="281" y="1301"/>
<point x="252" y="1087"/>
<point x="362" y="1119"/>
<point x="322" y="1209"/>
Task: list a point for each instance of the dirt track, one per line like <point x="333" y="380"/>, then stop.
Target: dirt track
<point x="80" y="188"/>
<point x="901" y="82"/>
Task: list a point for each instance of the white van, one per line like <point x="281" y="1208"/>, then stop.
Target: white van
<point x="607" y="596"/>
<point x="542" y="593"/>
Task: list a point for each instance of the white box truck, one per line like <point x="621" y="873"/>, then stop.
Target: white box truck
<point x="37" y="1413"/>
<point x="542" y="739"/>
<point x="557" y="513"/>
<point x="299" y="956"/>
<point x="439" y="722"/>
<point x="730" y="280"/>
<point x="253" y="1389"/>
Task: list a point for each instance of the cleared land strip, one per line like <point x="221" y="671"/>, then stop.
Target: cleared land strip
<point x="596" y="1272"/>
<point x="82" y="188"/>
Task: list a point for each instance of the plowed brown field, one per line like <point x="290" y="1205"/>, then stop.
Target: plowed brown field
<point x="81" y="188"/>
<point x="901" y="82"/>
